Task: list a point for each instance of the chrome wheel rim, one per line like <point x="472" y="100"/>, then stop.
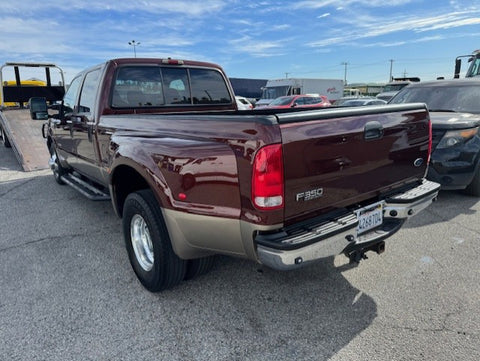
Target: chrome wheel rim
<point x="141" y="242"/>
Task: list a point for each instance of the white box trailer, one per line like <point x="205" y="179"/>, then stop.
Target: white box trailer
<point x="331" y="88"/>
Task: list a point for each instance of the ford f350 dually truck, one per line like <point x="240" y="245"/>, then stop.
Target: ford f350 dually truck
<point x="191" y="176"/>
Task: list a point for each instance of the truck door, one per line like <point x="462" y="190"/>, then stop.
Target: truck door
<point x="66" y="147"/>
<point x="83" y="127"/>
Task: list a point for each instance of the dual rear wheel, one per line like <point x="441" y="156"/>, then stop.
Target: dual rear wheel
<point x="149" y="247"/>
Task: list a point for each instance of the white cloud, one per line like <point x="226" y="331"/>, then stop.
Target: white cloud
<point x="312" y="4"/>
<point x="362" y="27"/>
<point x="323" y="15"/>
<point x="186" y="8"/>
<point x="256" y="48"/>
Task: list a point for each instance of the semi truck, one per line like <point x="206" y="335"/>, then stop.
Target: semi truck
<point x="473" y="69"/>
<point x="331" y="88"/>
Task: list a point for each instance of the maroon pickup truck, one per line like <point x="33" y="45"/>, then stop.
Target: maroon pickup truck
<point x="191" y="176"/>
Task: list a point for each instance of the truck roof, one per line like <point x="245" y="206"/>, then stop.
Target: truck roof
<point x="163" y="61"/>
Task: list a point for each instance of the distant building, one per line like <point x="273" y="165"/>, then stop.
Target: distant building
<point x="248" y="88"/>
<point x="370" y="89"/>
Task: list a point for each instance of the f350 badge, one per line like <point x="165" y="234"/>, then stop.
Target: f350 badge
<point x="309" y="195"/>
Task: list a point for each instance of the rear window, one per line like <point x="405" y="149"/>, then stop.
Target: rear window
<point x="455" y="98"/>
<point x="155" y="86"/>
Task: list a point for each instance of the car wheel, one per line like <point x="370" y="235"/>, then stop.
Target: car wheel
<point x="57" y="169"/>
<point x="4" y="137"/>
<point x="474" y="187"/>
<point x="148" y="243"/>
<point x="199" y="266"/>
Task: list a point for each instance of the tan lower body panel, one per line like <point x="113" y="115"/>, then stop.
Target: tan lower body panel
<point x="194" y="235"/>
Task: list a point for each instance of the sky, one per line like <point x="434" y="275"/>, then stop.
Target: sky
<point x="249" y="39"/>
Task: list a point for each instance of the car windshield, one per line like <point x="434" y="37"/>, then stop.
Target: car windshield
<point x="281" y="101"/>
<point x="447" y="98"/>
<point x="394" y="87"/>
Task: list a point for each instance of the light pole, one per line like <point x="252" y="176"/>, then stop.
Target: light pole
<point x="345" y="75"/>
<point x="391" y="66"/>
<point x="134" y="44"/>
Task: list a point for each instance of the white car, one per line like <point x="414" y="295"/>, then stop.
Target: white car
<point x="243" y="103"/>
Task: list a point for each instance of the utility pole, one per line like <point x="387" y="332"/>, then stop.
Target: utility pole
<point x="286" y="75"/>
<point x="134" y="44"/>
<point x="391" y="67"/>
<point x="345" y="74"/>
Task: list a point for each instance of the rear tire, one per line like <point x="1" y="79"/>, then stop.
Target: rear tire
<point x="199" y="266"/>
<point x="148" y="243"/>
<point x="473" y="188"/>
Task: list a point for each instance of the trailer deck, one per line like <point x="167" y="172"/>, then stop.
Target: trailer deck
<point x="25" y="136"/>
<point x="17" y="128"/>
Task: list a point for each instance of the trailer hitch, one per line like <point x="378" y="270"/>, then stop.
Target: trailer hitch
<point x="359" y="254"/>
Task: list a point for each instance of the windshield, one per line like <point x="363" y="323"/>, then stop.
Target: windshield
<point x="393" y="87"/>
<point x="449" y="98"/>
<point x="282" y="101"/>
<point x="275" y="92"/>
<point x="474" y="69"/>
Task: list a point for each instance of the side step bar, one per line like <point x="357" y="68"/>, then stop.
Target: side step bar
<point x="85" y="188"/>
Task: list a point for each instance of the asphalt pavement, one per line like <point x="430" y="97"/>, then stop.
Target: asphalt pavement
<point x="67" y="291"/>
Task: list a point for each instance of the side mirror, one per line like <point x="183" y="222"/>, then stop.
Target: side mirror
<point x="38" y="108"/>
<point x="458" y="66"/>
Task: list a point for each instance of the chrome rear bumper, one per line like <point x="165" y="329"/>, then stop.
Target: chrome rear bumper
<point x="339" y="235"/>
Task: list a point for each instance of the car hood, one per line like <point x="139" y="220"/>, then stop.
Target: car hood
<point x="450" y="120"/>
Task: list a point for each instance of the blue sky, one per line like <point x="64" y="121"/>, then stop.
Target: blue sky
<point x="249" y="39"/>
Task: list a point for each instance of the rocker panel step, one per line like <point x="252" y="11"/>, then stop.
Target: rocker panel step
<point x="85" y="188"/>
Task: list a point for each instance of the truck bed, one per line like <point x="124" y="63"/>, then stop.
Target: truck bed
<point x="25" y="136"/>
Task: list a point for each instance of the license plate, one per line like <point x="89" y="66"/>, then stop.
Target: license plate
<point x="369" y="217"/>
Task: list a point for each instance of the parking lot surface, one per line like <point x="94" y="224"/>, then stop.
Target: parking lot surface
<point x="68" y="291"/>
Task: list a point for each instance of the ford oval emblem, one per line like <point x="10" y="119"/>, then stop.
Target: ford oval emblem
<point x="418" y="162"/>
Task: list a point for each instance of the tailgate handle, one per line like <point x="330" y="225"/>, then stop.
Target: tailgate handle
<point x="373" y="130"/>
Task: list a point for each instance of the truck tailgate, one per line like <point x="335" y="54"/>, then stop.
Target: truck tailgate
<point x="339" y="157"/>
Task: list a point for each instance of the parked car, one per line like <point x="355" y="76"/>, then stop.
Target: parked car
<point x="243" y="103"/>
<point x="454" y="107"/>
<point x="392" y="88"/>
<point x="301" y="101"/>
<point x="362" y="101"/>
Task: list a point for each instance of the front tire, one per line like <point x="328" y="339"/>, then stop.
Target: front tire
<point x="148" y="243"/>
<point x="4" y="137"/>
<point x="57" y="169"/>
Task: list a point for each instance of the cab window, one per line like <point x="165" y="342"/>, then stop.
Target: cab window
<point x="70" y="98"/>
<point x="89" y="92"/>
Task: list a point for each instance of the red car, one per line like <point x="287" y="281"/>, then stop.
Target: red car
<point x="301" y="101"/>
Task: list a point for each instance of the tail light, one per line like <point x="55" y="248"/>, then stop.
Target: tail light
<point x="268" y="178"/>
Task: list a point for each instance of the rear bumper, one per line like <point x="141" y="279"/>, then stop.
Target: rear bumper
<point x="300" y="245"/>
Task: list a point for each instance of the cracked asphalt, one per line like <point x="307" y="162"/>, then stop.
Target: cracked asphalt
<point x="67" y="291"/>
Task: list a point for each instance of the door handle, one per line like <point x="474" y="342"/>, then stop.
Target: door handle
<point x="373" y="130"/>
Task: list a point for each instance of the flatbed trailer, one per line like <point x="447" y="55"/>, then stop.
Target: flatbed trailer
<point x="25" y="137"/>
<point x="17" y="129"/>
